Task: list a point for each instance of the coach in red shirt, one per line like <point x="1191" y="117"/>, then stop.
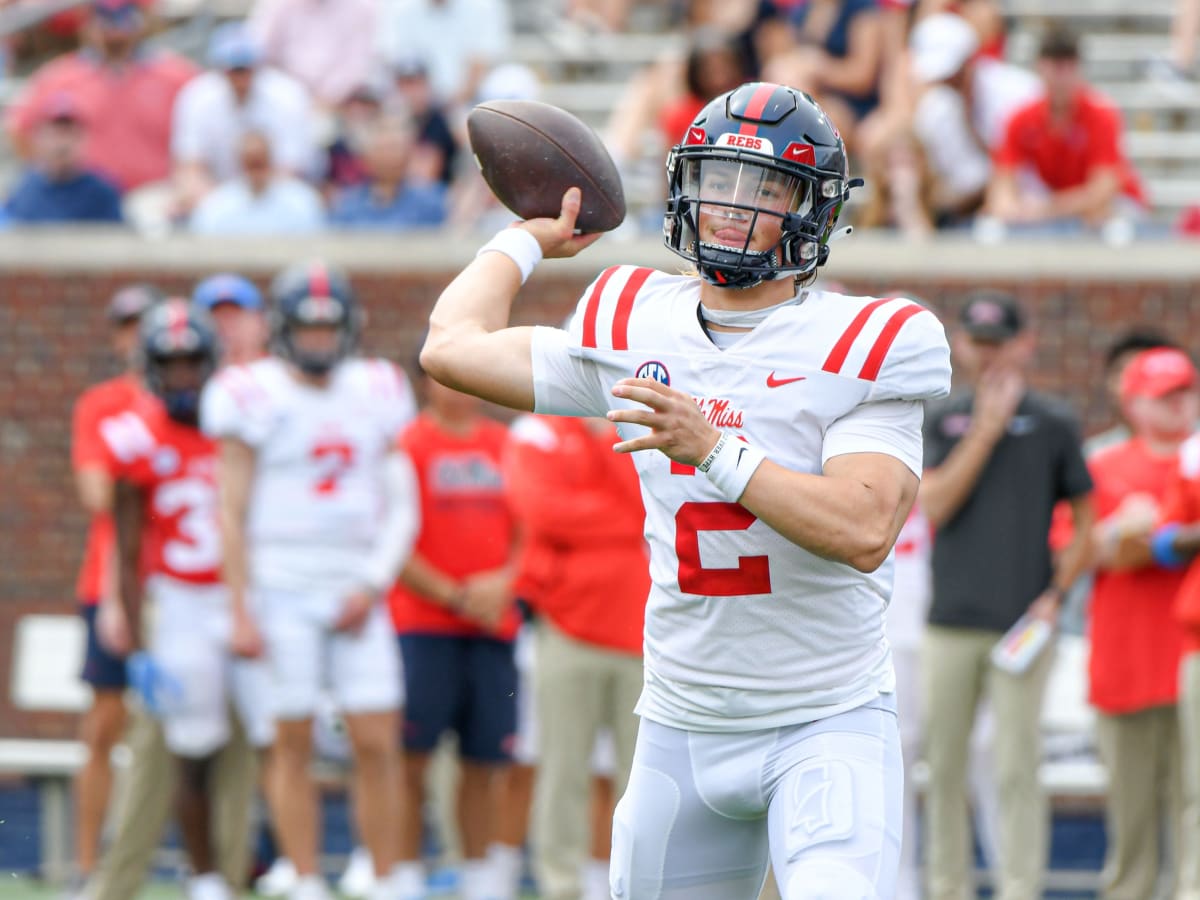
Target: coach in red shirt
<point x="1136" y="642"/>
<point x="1061" y="157"/>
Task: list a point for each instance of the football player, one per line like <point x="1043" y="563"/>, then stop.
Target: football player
<point x="319" y="511"/>
<point x="169" y="549"/>
<point x="788" y="428"/>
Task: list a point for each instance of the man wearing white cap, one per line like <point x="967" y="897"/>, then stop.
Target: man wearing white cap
<point x="965" y="101"/>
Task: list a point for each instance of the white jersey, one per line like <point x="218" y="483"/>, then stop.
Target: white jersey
<point x="744" y="629"/>
<point x="317" y="498"/>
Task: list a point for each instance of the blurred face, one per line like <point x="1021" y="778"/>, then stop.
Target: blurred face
<point x="726" y="187"/>
<point x="125" y="340"/>
<point x="1062" y="78"/>
<point x="388" y="153"/>
<point x="115" y="36"/>
<point x="58" y="146"/>
<point x="1172" y="416"/>
<point x="242" y="332"/>
<point x="240" y="79"/>
<point x="316" y="340"/>
<point x="720" y="71"/>
<point x="449" y="403"/>
<point x="974" y="357"/>
<point x="1112" y="378"/>
<point x="255" y="159"/>
<point x="416" y="92"/>
<point x="183" y="373"/>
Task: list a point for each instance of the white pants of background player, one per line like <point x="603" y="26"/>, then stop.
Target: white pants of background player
<point x="190" y="640"/>
<point x="704" y="812"/>
<point x="305" y="655"/>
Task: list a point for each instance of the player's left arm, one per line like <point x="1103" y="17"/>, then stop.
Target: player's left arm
<point x="127" y="518"/>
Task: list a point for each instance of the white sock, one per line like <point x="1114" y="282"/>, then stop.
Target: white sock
<point x="407" y="880"/>
<point x="595" y="880"/>
<point x="506" y="862"/>
<point x="478" y="882"/>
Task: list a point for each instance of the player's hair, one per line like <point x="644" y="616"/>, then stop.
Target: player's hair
<point x="1134" y="340"/>
<point x="1059" y="43"/>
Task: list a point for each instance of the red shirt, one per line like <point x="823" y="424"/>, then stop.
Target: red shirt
<point x="1182" y="506"/>
<point x="1065" y="157"/>
<point x="100" y="404"/>
<point x="175" y="466"/>
<point x="583" y="563"/>
<point x="126" y="110"/>
<point x="466" y="524"/>
<point x="1136" y="643"/>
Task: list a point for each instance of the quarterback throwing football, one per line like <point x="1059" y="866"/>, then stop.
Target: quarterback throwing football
<point x="788" y="425"/>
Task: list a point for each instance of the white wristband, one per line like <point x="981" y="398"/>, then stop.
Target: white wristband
<point x="730" y="466"/>
<point x="518" y="245"/>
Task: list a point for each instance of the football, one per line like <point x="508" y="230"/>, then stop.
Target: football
<point x="531" y="152"/>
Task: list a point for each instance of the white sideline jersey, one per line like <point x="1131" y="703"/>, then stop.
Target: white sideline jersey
<point x="744" y="629"/>
<point x="318" y="497"/>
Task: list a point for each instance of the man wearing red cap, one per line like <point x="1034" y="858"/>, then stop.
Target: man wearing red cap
<point x="1136" y="644"/>
<point x="1176" y="544"/>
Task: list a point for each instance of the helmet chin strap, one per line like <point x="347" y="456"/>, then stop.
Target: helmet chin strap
<point x="745" y="318"/>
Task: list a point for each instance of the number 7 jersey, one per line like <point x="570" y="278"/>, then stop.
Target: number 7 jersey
<point x="744" y="629"/>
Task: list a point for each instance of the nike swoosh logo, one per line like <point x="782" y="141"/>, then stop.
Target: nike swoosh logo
<point x="739" y="459"/>
<point x="773" y="382"/>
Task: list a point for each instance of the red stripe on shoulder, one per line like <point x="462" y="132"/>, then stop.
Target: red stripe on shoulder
<point x="592" y="311"/>
<point x="620" y="325"/>
<point x="837" y="356"/>
<point x="887" y="337"/>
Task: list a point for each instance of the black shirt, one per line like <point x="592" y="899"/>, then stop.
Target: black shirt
<point x="992" y="559"/>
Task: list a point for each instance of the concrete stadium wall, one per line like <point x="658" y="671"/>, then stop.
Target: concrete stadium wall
<point x="54" y="287"/>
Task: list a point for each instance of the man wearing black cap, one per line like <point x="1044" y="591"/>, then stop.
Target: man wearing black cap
<point x="998" y="457"/>
<point x="103" y="406"/>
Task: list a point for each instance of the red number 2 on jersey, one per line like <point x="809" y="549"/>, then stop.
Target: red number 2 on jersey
<point x="753" y="573"/>
<point x="332" y="459"/>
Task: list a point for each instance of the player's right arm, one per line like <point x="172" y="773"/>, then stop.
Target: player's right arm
<point x="235" y="475"/>
<point x="127" y="510"/>
<point x="470" y="347"/>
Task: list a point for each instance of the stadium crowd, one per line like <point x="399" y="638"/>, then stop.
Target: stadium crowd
<point x="510" y="556"/>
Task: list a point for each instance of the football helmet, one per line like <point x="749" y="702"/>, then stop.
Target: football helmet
<point x="755" y="186"/>
<point x="314" y="294"/>
<point x="176" y="329"/>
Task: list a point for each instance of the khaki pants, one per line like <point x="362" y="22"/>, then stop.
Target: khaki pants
<point x="579" y="687"/>
<point x="147" y="803"/>
<point x="1189" y="734"/>
<point x="956" y="670"/>
<point x="1141" y="752"/>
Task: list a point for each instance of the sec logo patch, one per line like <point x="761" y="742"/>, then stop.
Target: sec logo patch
<point x="656" y="370"/>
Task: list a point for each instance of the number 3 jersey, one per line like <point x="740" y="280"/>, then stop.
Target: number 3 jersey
<point x="174" y="465"/>
<point x="744" y="629"/>
<point x="317" y="494"/>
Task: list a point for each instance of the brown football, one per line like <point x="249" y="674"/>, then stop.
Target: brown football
<point x="531" y="152"/>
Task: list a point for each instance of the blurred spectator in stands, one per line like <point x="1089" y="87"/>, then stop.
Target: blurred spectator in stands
<point x="837" y="57"/>
<point x="262" y="200"/>
<point x="57" y="187"/>
<point x="124" y="91"/>
<point x="455" y="618"/>
<point x="1124" y="347"/>
<point x="664" y="98"/>
<point x="1136" y="643"/>
<point x="1061" y="164"/>
<point x="216" y="108"/>
<point x="352" y="122"/>
<point x="327" y="46"/>
<point x="436" y="147"/>
<point x="963" y="106"/>
<point x="391" y="197"/>
<point x="469" y="36"/>
<point x="584" y="571"/>
<point x="1176" y="71"/>
<point x="101" y="406"/>
<point x="236" y="307"/>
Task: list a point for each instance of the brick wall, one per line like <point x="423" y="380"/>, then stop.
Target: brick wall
<point x="52" y="344"/>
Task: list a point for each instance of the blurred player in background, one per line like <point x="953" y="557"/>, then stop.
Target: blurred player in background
<point x="789" y="425"/>
<point x="456" y="620"/>
<point x="584" y="572"/>
<point x="165" y="513"/>
<point x="318" y="513"/>
<point x="236" y="308"/>
<point x="98" y="409"/>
